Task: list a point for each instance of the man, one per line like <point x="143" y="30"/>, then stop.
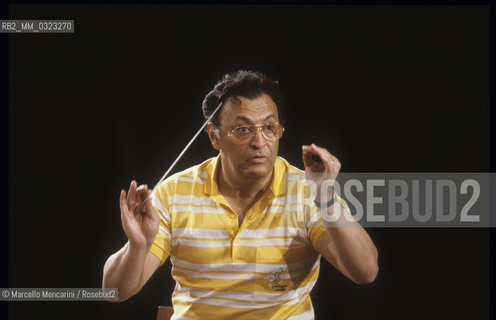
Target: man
<point x="244" y="230"/>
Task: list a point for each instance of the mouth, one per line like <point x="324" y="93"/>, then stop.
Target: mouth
<point x="257" y="159"/>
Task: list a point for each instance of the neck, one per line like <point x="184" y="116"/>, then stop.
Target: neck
<point x="242" y="188"/>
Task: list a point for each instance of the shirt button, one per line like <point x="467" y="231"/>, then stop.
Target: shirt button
<point x="236" y="241"/>
<point x="232" y="215"/>
<point x="250" y="217"/>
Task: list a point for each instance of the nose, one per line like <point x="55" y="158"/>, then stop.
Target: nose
<point x="257" y="141"/>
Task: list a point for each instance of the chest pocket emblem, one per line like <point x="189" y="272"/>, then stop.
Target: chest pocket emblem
<point x="275" y="282"/>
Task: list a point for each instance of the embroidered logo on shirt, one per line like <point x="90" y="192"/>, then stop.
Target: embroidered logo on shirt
<point x="275" y="283"/>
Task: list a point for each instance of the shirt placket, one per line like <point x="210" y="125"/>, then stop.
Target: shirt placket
<point x="251" y="216"/>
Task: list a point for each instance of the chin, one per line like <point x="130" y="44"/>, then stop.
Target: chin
<point x="257" y="172"/>
<point x="255" y="175"/>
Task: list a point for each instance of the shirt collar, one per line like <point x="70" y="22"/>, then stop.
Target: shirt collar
<point x="277" y="186"/>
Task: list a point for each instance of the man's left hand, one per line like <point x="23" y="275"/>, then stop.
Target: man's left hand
<point x="319" y="171"/>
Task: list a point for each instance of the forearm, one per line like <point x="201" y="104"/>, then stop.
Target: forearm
<point x="352" y="248"/>
<point x="124" y="269"/>
<point x="345" y="244"/>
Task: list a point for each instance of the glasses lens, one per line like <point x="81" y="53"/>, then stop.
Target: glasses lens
<point x="243" y="134"/>
<point x="269" y="131"/>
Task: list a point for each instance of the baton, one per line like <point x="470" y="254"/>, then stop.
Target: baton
<point x="180" y="155"/>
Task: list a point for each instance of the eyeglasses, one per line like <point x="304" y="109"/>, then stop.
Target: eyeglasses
<point x="243" y="134"/>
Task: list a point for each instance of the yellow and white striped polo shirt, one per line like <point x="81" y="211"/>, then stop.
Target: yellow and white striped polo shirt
<point x="263" y="269"/>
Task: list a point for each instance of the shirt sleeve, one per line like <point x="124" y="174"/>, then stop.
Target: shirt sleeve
<point x="161" y="246"/>
<point x="315" y="225"/>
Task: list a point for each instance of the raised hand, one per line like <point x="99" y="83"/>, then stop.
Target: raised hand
<point x="319" y="171"/>
<point x="139" y="220"/>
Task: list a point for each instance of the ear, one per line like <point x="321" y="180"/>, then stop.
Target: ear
<point x="214" y="136"/>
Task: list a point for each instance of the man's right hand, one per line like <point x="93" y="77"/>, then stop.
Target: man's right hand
<point x="130" y="268"/>
<point x="139" y="220"/>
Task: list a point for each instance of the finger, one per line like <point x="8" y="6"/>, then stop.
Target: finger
<point x="315" y="150"/>
<point x="123" y="203"/>
<point x="307" y="156"/>
<point x="149" y="207"/>
<point x="141" y="192"/>
<point x="148" y="200"/>
<point x="141" y="197"/>
<point x="323" y="153"/>
<point x="326" y="154"/>
<point x="147" y="194"/>
<point x="330" y="162"/>
<point x="312" y="156"/>
<point x="131" y="196"/>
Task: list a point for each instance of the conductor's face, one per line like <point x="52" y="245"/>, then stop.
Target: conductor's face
<point x="249" y="137"/>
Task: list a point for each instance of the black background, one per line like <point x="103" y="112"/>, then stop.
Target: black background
<point x="384" y="88"/>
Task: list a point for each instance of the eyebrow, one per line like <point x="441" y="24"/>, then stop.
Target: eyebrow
<point x="249" y="121"/>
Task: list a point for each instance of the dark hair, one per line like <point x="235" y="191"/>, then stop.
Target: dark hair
<point x="248" y="84"/>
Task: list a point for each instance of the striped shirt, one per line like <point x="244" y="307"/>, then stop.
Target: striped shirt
<point x="264" y="268"/>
